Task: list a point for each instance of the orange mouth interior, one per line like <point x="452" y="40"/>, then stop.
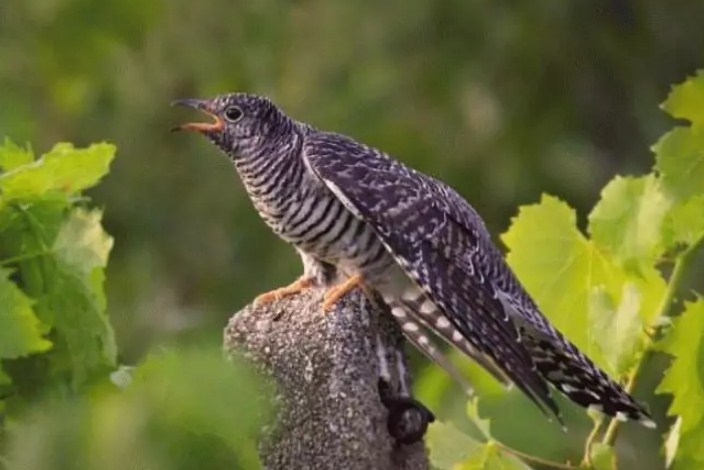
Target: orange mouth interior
<point x="216" y="125"/>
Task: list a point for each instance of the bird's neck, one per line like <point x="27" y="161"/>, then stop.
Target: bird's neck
<point x="273" y="171"/>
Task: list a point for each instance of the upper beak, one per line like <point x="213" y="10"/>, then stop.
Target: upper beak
<point x="204" y="106"/>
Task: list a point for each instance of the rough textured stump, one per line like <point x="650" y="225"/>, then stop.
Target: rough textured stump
<point x="326" y="369"/>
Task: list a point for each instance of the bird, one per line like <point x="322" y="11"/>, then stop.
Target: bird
<point x="360" y="218"/>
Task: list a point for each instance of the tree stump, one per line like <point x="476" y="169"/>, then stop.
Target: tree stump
<point x="333" y="410"/>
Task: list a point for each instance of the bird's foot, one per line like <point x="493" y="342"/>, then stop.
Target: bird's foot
<point x="295" y="287"/>
<point x="336" y="292"/>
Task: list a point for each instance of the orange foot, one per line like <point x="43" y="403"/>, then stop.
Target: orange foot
<point x="277" y="294"/>
<point x="335" y="293"/>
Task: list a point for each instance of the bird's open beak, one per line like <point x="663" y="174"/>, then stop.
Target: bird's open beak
<point x="201" y="105"/>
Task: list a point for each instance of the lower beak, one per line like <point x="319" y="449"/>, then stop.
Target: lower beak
<point x="203" y="106"/>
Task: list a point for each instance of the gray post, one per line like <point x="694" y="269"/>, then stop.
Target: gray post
<point x="326" y="366"/>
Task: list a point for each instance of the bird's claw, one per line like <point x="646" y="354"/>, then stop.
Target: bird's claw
<point x="295" y="287"/>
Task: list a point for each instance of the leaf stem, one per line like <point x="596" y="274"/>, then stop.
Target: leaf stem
<point x="533" y="458"/>
<point x="22" y="257"/>
<point x="665" y="310"/>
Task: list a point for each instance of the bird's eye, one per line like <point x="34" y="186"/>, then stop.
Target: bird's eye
<point x="233" y="114"/>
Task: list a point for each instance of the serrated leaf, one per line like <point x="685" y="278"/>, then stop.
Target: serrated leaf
<point x="686" y="100"/>
<point x="12" y="155"/>
<point x="603" y="457"/>
<point x="684" y="223"/>
<point x="82" y="242"/>
<point x="489" y="456"/>
<point x="448" y="445"/>
<point x="20" y="330"/>
<point x="618" y="330"/>
<point x="65" y="279"/>
<point x="64" y="168"/>
<point x="679" y="157"/>
<point x="560" y="267"/>
<point x="685" y="381"/>
<point x="628" y="219"/>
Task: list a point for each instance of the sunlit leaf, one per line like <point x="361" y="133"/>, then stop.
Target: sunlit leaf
<point x="560" y="268"/>
<point x="628" y="219"/>
<point x="64" y="168"/>
<point x="491" y="457"/>
<point x="448" y="445"/>
<point x="618" y="329"/>
<point x="684" y="380"/>
<point x="20" y="331"/>
<point x="82" y="242"/>
<point x="603" y="457"/>
<point x="12" y="155"/>
<point x="684" y="223"/>
<point x="686" y="100"/>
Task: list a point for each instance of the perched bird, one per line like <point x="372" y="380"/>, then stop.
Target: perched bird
<point x="358" y="217"/>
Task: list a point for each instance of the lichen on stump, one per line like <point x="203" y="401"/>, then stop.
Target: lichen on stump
<point x="325" y="366"/>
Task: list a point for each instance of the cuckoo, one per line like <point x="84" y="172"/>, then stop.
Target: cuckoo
<point x="360" y="218"/>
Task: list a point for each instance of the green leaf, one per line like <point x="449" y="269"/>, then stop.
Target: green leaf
<point x="603" y="457"/>
<point x="490" y="457"/>
<point x="551" y="256"/>
<point x="65" y="252"/>
<point x="20" y="330"/>
<point x="685" y="222"/>
<point x="686" y="100"/>
<point x="64" y="169"/>
<point x="618" y="330"/>
<point x="679" y="157"/>
<point x="82" y="243"/>
<point x="448" y="445"/>
<point x="12" y="155"/>
<point x="628" y="219"/>
<point x="685" y="381"/>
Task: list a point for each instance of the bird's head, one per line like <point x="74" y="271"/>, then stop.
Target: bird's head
<point x="242" y="124"/>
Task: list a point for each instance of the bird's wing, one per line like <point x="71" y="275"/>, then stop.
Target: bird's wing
<point x="433" y="242"/>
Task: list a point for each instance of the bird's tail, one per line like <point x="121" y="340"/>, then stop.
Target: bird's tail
<point x="576" y="376"/>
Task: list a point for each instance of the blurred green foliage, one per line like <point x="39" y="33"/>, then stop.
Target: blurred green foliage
<point x="181" y="410"/>
<point x="504" y="101"/>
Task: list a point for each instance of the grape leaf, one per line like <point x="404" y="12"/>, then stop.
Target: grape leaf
<point x="20" y="331"/>
<point x="679" y="157"/>
<point x="448" y="445"/>
<point x="685" y="381"/>
<point x="685" y="222"/>
<point x="560" y="268"/>
<point x="686" y="100"/>
<point x="12" y="155"/>
<point x="64" y="168"/>
<point x="82" y="242"/>
<point x="628" y="220"/>
<point x="618" y="330"/>
<point x="602" y="457"/>
<point x="490" y="457"/>
<point x="65" y="278"/>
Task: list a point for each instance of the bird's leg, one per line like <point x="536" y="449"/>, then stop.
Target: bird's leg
<point x="295" y="287"/>
<point x="336" y="292"/>
<point x="315" y="272"/>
